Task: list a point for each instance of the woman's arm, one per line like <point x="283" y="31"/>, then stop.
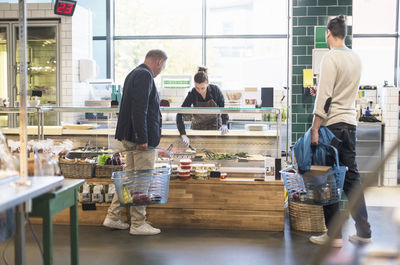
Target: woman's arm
<point x="188" y="102"/>
<point x="220" y="100"/>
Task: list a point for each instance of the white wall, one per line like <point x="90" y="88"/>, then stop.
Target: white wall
<point x="390" y="113"/>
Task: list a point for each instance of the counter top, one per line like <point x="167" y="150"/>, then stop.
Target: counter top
<point x="228" y="181"/>
<point x="12" y="195"/>
<point x="59" y="130"/>
<point x="370" y="123"/>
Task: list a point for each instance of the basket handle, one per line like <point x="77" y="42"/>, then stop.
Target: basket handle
<point x="325" y="145"/>
<point x="134" y="149"/>
<point x="335" y="151"/>
<point x="293" y="165"/>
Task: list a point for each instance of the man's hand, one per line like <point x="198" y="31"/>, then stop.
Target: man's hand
<point x="141" y="146"/>
<point x="313" y="91"/>
<point x="314" y="136"/>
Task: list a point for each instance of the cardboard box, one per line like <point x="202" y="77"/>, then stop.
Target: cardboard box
<point x="317" y="171"/>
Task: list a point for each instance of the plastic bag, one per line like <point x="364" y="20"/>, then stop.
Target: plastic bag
<point x="97" y="195"/>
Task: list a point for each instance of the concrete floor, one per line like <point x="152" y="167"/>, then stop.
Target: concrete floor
<point x="99" y="245"/>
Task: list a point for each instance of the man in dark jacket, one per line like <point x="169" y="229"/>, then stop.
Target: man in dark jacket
<point x="139" y="129"/>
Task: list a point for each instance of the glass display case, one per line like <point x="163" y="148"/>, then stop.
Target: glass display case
<point x="242" y="156"/>
<point x="254" y="135"/>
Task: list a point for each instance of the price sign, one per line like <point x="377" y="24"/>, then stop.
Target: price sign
<point x="64" y="7"/>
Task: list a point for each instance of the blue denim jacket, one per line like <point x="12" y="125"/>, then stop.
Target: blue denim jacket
<point x="306" y="155"/>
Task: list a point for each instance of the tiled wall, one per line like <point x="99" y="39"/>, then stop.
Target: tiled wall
<point x="390" y="118"/>
<point x="306" y="15"/>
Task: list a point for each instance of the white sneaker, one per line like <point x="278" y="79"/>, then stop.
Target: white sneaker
<point x="359" y="240"/>
<point x="144" y="229"/>
<point x="108" y="222"/>
<point x="322" y="239"/>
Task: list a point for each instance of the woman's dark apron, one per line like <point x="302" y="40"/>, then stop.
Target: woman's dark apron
<point x="206" y="121"/>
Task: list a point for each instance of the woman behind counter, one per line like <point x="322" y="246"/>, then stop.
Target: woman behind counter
<point x="203" y="95"/>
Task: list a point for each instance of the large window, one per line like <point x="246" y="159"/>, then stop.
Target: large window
<point x="239" y="63"/>
<point x="184" y="55"/>
<point x="377" y="56"/>
<point x="375" y="39"/>
<point x="246" y="17"/>
<point x="157" y="17"/>
<point x="242" y="42"/>
<point x="101" y="35"/>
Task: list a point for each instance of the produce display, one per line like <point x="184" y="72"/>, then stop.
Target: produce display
<point x="225" y="156"/>
<point x="106" y="159"/>
<point x="87" y="151"/>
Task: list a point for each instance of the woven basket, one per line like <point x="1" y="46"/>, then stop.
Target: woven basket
<point x="306" y="217"/>
<point x="76" y="169"/>
<point x="105" y="171"/>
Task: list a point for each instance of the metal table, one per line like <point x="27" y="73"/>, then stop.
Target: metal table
<point x="12" y="195"/>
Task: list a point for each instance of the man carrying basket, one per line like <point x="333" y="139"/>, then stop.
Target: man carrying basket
<point x="335" y="108"/>
<point x="139" y="128"/>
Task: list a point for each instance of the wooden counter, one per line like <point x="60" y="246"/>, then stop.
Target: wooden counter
<point x="215" y="204"/>
<point x="207" y="204"/>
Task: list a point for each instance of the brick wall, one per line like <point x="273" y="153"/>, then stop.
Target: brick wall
<point x="306" y="15"/>
<point x="390" y="113"/>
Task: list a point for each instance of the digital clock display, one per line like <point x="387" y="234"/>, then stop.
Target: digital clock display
<point x="64" y="7"/>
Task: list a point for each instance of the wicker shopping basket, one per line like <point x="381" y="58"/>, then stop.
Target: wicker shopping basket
<point x="76" y="168"/>
<point x="105" y="171"/>
<point x="306" y="217"/>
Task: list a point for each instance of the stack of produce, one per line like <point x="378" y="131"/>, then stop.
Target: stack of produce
<point x="106" y="159"/>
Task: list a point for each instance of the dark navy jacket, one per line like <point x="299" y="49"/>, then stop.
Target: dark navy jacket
<point x="139" y="119"/>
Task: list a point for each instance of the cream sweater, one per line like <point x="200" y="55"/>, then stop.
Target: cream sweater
<point x="338" y="83"/>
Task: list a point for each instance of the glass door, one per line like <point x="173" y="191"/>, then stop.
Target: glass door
<point x="42" y="68"/>
<point x="4" y="89"/>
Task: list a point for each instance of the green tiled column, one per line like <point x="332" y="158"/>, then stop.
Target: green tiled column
<point x="306" y="15"/>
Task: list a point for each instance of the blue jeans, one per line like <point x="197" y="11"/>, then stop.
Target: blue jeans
<point x="347" y="157"/>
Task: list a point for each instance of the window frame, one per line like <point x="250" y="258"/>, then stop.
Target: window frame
<point x="396" y="36"/>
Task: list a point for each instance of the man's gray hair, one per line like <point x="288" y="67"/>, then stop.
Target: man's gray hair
<point x="156" y="54"/>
